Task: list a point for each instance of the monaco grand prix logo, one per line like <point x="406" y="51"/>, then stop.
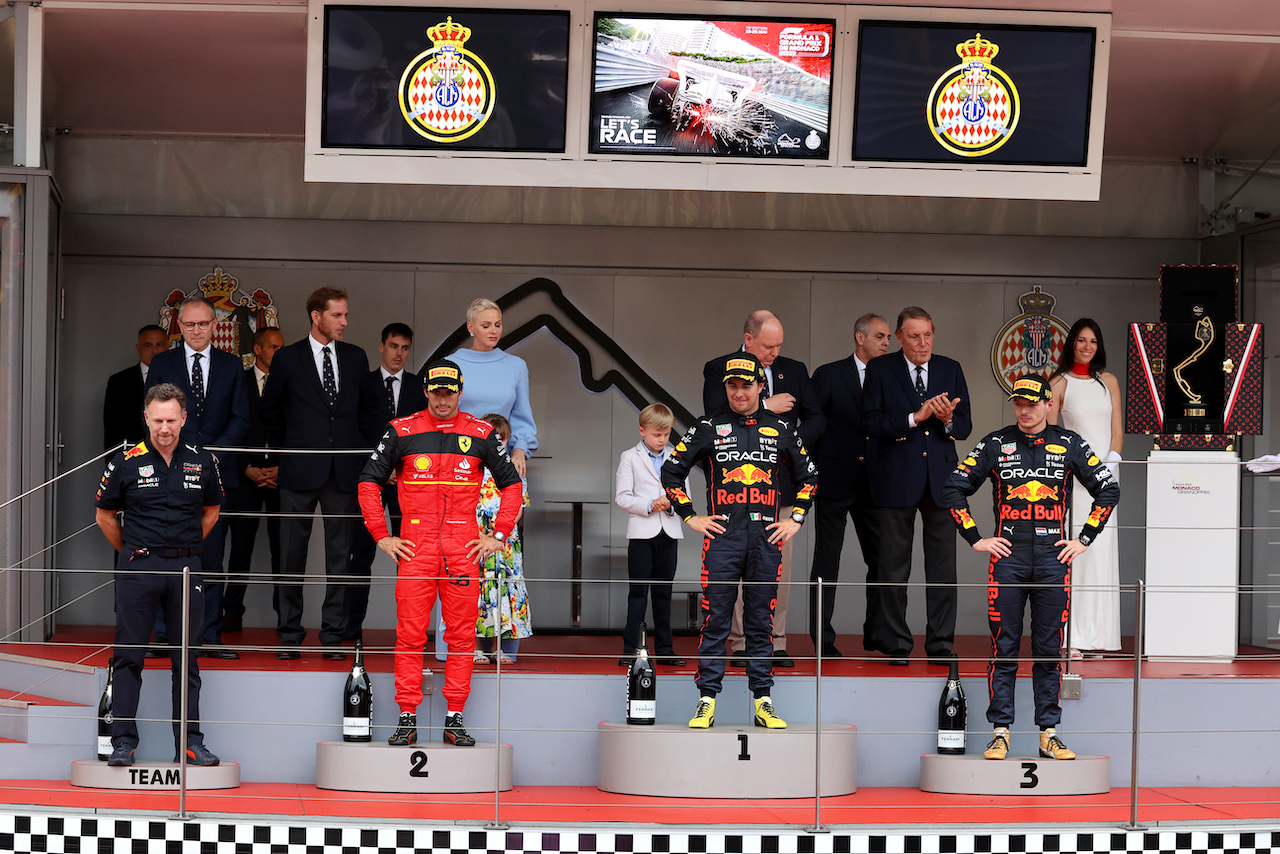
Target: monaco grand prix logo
<point x="974" y="107"/>
<point x="447" y="92"/>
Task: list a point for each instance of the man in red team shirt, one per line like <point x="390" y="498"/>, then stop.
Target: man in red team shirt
<point x="439" y="456"/>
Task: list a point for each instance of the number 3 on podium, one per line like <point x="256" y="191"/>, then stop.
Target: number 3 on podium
<point x="1029" y="778"/>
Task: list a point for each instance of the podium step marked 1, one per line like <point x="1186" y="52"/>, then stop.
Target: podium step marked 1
<point x="153" y="776"/>
<point x="426" y="768"/>
<point x="971" y="774"/>
<point x="726" y="761"/>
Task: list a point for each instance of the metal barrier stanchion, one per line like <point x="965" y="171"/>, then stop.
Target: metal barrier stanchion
<point x="1139" y="610"/>
<point x="182" y="713"/>
<point x="497" y="824"/>
<point x="817" y="726"/>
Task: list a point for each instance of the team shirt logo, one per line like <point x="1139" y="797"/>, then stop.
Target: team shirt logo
<point x="464" y="443"/>
<point x="974" y="106"/>
<point x="747" y="474"/>
<point x="1033" y="490"/>
<point x="447" y="92"/>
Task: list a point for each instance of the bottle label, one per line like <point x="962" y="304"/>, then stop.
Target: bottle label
<point x="355" y="726"/>
<point x="950" y="738"/>
<point x="642" y="708"/>
<point x="104" y="745"/>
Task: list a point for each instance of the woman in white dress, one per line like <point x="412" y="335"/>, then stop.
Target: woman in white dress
<point x="1087" y="400"/>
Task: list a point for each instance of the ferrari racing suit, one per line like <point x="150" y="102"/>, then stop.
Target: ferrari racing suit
<point x="744" y="458"/>
<point x="1031" y="479"/>
<point x="439" y="466"/>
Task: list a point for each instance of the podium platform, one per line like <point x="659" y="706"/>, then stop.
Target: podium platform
<point x="153" y="776"/>
<point x="971" y="774"/>
<point x="426" y="768"/>
<point x="726" y="761"/>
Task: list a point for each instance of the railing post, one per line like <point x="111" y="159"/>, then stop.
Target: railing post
<point x="817" y="726"/>
<point x="1139" y="612"/>
<point x="182" y="712"/>
<point x="496" y="824"/>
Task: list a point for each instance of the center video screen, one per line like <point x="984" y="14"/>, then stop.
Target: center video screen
<point x="444" y="78"/>
<point x="740" y="87"/>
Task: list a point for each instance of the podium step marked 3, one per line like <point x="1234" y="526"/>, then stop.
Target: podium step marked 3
<point x="972" y="774"/>
<point x="726" y="761"/>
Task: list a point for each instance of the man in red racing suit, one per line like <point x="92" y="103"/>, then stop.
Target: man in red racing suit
<point x="1031" y="465"/>
<point x="438" y="457"/>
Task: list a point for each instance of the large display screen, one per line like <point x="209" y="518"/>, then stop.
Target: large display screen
<point x="729" y="87"/>
<point x="965" y="93"/>
<point x="444" y="78"/>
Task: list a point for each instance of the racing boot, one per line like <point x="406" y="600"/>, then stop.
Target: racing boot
<point x="1051" y="747"/>
<point x="706" y="714"/>
<point x="454" y="733"/>
<point x="998" y="748"/>
<point x="406" y="730"/>
<point x="766" y="716"/>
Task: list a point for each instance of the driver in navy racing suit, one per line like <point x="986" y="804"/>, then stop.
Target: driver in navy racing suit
<point x="1031" y="465"/>
<point x="744" y="453"/>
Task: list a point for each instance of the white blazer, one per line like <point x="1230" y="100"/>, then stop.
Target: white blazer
<point x="636" y="486"/>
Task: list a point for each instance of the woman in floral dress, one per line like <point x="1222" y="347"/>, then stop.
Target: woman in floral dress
<point x="508" y="563"/>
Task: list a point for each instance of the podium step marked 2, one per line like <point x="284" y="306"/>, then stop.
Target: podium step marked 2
<point x="426" y="768"/>
<point x="971" y="774"/>
<point x="153" y="776"/>
<point x="726" y="761"/>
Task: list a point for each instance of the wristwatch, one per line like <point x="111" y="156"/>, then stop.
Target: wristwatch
<point x="499" y="536"/>
<point x="797" y="517"/>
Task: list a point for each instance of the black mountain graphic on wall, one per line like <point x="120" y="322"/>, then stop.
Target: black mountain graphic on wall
<point x="575" y="330"/>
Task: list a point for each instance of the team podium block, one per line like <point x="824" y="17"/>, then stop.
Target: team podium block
<point x="971" y="774"/>
<point x="154" y="776"/>
<point x="426" y="768"/>
<point x="733" y="761"/>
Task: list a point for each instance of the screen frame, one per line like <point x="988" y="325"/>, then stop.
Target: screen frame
<point x="756" y="12"/>
<point x="981" y="179"/>
<point x="840" y="174"/>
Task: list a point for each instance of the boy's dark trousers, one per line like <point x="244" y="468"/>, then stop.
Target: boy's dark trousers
<point x="651" y="565"/>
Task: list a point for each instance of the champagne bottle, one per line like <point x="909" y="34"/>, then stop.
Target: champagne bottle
<point x="104" y="713"/>
<point x="952" y="713"/>
<point x="642" y="686"/>
<point x="357" y="702"/>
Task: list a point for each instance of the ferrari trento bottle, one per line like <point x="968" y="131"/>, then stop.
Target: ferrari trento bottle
<point x="642" y="687"/>
<point x="357" y="702"/>
<point x="952" y="713"/>
<point x="104" y="713"/>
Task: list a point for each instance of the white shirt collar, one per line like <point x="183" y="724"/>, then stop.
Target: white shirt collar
<point x="911" y="366"/>
<point x="316" y="346"/>
<point x="399" y="375"/>
<point x="205" y="352"/>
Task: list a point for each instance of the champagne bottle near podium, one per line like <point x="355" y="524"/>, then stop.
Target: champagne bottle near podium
<point x="357" y="702"/>
<point x="104" y="713"/>
<point x="642" y="687"/>
<point x="952" y="713"/>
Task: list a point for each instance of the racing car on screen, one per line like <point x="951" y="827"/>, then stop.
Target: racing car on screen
<point x="716" y="100"/>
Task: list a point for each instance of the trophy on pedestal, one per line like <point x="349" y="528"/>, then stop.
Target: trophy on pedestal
<point x="1213" y="391"/>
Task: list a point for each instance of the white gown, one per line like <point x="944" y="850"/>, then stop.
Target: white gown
<point x="1095" y="575"/>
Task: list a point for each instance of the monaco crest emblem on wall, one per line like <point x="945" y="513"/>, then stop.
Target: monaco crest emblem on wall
<point x="447" y="92"/>
<point x="1030" y="343"/>
<point x="237" y="314"/>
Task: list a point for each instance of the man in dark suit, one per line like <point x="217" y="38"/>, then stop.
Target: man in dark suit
<point x="915" y="406"/>
<point x="844" y="488"/>
<point x="387" y="392"/>
<point x="258" y="489"/>
<point x="217" y="415"/>
<point x="122" y="404"/>
<point x="789" y="394"/>
<point x="311" y="402"/>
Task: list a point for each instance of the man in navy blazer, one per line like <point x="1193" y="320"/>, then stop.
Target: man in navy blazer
<point x="915" y="407"/>
<point x="311" y="401"/>
<point x="386" y="392"/>
<point x="218" y="415"/>
<point x="788" y="393"/>
<point x="258" y="489"/>
<point x="844" y="487"/>
<point x="122" y="403"/>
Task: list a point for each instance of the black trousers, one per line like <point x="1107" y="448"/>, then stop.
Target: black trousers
<point x="295" y="535"/>
<point x="147" y="584"/>
<point x="651" y="566"/>
<point x="243" y="532"/>
<point x="897" y="530"/>
<point x="207" y="629"/>
<point x="363" y="550"/>
<point x="830" y="519"/>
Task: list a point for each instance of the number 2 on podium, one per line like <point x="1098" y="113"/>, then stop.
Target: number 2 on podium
<point x="418" y="764"/>
<point x="743" y="755"/>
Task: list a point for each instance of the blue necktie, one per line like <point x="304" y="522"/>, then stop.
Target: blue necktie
<point x="327" y="380"/>
<point x="391" y="396"/>
<point x="920" y="381"/>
